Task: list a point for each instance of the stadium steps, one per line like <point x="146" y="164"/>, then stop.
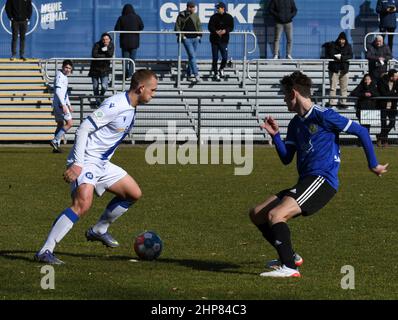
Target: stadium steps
<point x="25" y="112"/>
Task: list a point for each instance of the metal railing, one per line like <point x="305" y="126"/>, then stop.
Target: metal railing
<point x="375" y="33"/>
<point x="256" y="116"/>
<point x="74" y="59"/>
<point x="245" y="35"/>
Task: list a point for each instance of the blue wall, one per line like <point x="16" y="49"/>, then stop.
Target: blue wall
<point x="69" y="28"/>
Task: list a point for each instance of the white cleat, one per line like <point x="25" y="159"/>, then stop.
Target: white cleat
<point x="282" y="272"/>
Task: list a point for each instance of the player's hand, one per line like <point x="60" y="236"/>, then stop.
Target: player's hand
<point x="270" y="125"/>
<point x="72" y="173"/>
<point x="380" y="169"/>
<point x="65" y="109"/>
<point x="70" y="108"/>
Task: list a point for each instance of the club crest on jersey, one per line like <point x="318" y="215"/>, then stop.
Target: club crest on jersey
<point x="98" y="114"/>
<point x="89" y="175"/>
<point x="313" y="128"/>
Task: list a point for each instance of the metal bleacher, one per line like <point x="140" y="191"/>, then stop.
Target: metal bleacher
<point x="228" y="105"/>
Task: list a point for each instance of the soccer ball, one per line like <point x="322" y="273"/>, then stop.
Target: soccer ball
<point x="148" y="245"/>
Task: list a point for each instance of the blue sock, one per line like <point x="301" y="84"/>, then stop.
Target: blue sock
<point x="113" y="210"/>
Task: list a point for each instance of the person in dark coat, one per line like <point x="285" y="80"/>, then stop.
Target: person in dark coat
<point x="365" y="92"/>
<point x="100" y="69"/>
<point x="387" y="10"/>
<point x="19" y="12"/>
<point x="129" y="42"/>
<point x="220" y="25"/>
<point x="388" y="87"/>
<point x="378" y="55"/>
<point x="340" y="51"/>
<point x="283" y="12"/>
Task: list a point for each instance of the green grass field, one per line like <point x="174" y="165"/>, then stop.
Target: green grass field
<point x="211" y="250"/>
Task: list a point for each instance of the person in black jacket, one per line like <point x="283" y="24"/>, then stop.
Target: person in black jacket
<point x="378" y="55"/>
<point x="387" y="10"/>
<point x="283" y="12"/>
<point x="129" y="42"/>
<point x="220" y="25"/>
<point x="365" y="92"/>
<point x="19" y="12"/>
<point x="340" y="51"/>
<point x="387" y="87"/>
<point x="100" y="69"/>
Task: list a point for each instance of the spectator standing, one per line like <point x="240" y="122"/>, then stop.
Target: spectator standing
<point x="283" y="12"/>
<point x="378" y="55"/>
<point x="220" y="25"/>
<point x="340" y="51"/>
<point x="19" y="12"/>
<point x="387" y="87"/>
<point x="365" y="92"/>
<point x="100" y="69"/>
<point x="188" y="20"/>
<point x="129" y="42"/>
<point x="387" y="10"/>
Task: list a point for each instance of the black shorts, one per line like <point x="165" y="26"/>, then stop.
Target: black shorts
<point x="311" y="193"/>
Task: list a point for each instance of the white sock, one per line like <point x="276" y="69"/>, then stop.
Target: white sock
<point x="59" y="134"/>
<point x="113" y="210"/>
<point x="60" y="228"/>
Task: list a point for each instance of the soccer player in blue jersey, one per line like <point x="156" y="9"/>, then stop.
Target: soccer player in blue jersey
<point x="89" y="168"/>
<point x="314" y="135"/>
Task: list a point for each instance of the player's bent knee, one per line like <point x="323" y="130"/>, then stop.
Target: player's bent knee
<point x="276" y="216"/>
<point x="135" y="194"/>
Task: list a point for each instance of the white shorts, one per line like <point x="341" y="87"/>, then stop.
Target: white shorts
<point x="60" y="115"/>
<point x="101" y="177"/>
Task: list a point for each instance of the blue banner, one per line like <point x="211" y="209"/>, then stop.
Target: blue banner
<point x="70" y="28"/>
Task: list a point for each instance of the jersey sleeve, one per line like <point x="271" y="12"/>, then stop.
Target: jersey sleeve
<point x="61" y="88"/>
<point x="104" y="115"/>
<point x="290" y="136"/>
<point x="335" y="122"/>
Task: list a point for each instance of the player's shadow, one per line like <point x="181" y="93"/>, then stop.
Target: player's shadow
<point x="201" y="265"/>
<point x="17" y="255"/>
<point x="25" y="255"/>
<point x="207" y="265"/>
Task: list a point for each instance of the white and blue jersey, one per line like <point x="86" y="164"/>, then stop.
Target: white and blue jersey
<point x="61" y="97"/>
<point x="102" y="131"/>
<point x="315" y="138"/>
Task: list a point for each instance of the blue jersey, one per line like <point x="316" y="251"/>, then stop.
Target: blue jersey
<point x="315" y="137"/>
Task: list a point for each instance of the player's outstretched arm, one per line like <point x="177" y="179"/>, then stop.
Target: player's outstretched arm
<point x="380" y="169"/>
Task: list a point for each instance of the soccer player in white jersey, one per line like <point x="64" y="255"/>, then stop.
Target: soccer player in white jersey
<point x="62" y="108"/>
<point x="313" y="134"/>
<point x="89" y="168"/>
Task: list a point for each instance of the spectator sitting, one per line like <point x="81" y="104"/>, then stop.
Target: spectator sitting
<point x="340" y="51"/>
<point x="378" y="55"/>
<point x="100" y="69"/>
<point x="365" y="92"/>
<point x="387" y="87"/>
